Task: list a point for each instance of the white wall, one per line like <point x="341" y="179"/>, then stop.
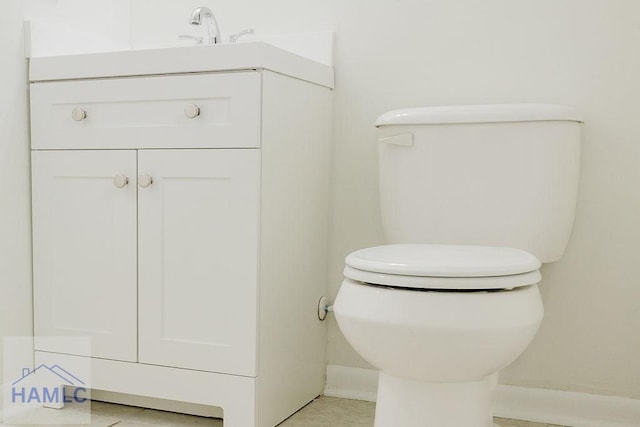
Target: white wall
<point x="67" y="27"/>
<point x="15" y="237"/>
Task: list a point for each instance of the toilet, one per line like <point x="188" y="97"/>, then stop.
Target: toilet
<point x="473" y="200"/>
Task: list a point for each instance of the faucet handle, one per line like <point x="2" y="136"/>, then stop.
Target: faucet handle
<point x="198" y="40"/>
<point x="234" y="37"/>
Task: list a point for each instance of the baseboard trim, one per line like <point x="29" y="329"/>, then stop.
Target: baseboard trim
<point x="521" y="403"/>
<point x="351" y="383"/>
<point x="565" y="407"/>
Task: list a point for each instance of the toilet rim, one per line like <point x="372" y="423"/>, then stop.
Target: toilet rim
<point x="443" y="283"/>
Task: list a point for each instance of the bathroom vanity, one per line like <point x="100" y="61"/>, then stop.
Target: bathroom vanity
<point x="180" y="220"/>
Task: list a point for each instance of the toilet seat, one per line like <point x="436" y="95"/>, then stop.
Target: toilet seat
<point x="443" y="267"/>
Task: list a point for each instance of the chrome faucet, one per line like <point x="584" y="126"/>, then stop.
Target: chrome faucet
<point x="205" y="14"/>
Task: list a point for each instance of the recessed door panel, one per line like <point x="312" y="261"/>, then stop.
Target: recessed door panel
<point x="198" y="259"/>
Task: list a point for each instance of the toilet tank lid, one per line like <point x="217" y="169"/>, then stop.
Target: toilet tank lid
<point x="443" y="260"/>
<point x="489" y="113"/>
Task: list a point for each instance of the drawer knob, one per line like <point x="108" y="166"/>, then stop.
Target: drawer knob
<point x="145" y="180"/>
<point x="78" y="114"/>
<point x="191" y="111"/>
<point x="120" y="181"/>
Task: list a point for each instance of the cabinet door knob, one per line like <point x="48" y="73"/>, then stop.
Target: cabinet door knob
<point x="145" y="180"/>
<point x="78" y="114"/>
<point x="191" y="111"/>
<point x="120" y="181"/>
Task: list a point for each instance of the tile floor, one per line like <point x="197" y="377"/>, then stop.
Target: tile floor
<point x="322" y="412"/>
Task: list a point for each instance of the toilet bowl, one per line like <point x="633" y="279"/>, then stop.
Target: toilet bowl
<point x="439" y="322"/>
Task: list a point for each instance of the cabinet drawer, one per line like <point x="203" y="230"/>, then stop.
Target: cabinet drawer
<point x="148" y="112"/>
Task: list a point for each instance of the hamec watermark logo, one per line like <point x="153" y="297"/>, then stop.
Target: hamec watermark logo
<point x="23" y="392"/>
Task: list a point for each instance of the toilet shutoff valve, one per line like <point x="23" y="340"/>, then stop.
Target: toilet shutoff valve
<point x="324" y="307"/>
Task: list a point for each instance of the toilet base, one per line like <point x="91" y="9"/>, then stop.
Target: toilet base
<point x="410" y="403"/>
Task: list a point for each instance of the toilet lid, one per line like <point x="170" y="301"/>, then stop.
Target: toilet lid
<point x="443" y="266"/>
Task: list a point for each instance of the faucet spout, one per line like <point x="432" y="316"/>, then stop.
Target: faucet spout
<point x="204" y="14"/>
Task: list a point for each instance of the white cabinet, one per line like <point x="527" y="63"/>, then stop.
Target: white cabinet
<point x="181" y="223"/>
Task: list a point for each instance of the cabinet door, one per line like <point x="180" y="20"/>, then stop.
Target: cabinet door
<point x="198" y="259"/>
<point x="84" y="251"/>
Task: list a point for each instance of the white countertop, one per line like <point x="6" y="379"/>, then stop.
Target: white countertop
<point x="179" y="60"/>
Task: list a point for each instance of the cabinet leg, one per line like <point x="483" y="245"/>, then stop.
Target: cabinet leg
<point x="239" y="416"/>
<point x="54" y="398"/>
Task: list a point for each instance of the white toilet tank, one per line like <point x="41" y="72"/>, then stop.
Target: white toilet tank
<point x="489" y="175"/>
